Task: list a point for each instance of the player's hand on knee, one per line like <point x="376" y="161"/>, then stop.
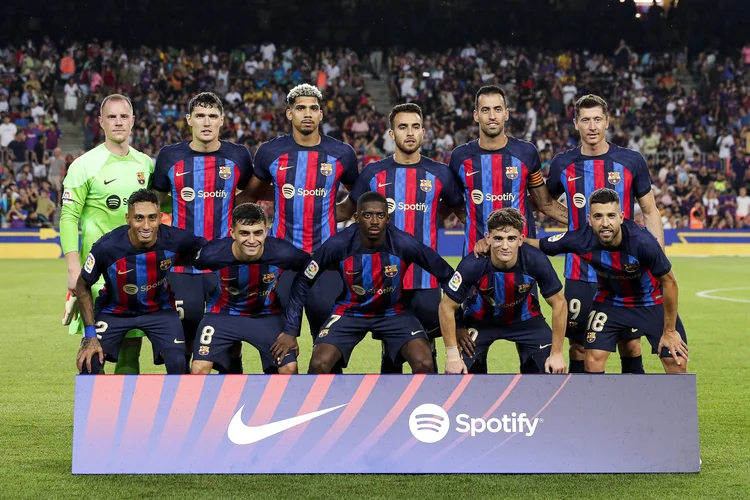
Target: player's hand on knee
<point x="90" y="347"/>
<point x="481" y="248"/>
<point x="454" y="363"/>
<point x="464" y="341"/>
<point x="672" y="341"/>
<point x="283" y="345"/>
<point x="555" y="364"/>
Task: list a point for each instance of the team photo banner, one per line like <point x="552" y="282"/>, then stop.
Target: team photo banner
<point x="394" y="424"/>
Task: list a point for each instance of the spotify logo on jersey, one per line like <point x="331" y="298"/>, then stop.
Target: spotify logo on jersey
<point x="288" y="191"/>
<point x="130" y="289"/>
<point x="187" y="194"/>
<point x="477" y="196"/>
<point x="579" y="200"/>
<point x="391" y="205"/>
<point x="113" y="202"/>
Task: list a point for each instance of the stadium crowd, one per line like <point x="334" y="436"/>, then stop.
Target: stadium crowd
<point x="696" y="143"/>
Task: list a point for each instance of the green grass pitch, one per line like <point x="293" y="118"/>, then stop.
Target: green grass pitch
<point x="36" y="408"/>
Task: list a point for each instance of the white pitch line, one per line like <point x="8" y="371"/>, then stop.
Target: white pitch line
<point x="706" y="294"/>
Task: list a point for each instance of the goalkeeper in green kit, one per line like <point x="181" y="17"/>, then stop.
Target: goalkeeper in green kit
<point x="95" y="192"/>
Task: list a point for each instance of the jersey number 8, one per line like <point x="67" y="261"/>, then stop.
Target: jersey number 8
<point x="207" y="334"/>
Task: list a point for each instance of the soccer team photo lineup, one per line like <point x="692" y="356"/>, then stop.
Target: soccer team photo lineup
<point x="355" y="252"/>
<point x="375" y="249"/>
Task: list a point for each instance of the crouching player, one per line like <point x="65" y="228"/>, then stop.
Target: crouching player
<point x="637" y="290"/>
<point x="372" y="257"/>
<point x="245" y="306"/>
<point x="504" y="306"/>
<point x="134" y="260"/>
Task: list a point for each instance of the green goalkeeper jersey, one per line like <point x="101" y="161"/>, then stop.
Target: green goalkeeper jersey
<point x="95" y="191"/>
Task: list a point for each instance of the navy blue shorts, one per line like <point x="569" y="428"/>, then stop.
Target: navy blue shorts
<point x="320" y="299"/>
<point x="217" y="332"/>
<point x="609" y="324"/>
<point x="162" y="328"/>
<point x="191" y="291"/>
<point x="345" y="332"/>
<point x="533" y="339"/>
<point x="425" y="304"/>
<point x="580" y="298"/>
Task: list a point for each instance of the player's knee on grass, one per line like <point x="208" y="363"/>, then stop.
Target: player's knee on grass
<point x="671" y="366"/>
<point x="596" y="360"/>
<point x="419" y="356"/>
<point x="629" y="348"/>
<point x="201" y="367"/>
<point x="174" y="361"/>
<point x="288" y="369"/>
<point x="324" y="358"/>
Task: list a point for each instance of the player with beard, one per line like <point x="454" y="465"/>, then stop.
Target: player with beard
<point x="306" y="169"/>
<point x="498" y="171"/>
<point x="577" y="173"/>
<point x="414" y="187"/>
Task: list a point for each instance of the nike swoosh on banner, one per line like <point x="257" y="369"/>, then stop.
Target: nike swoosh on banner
<point x="469" y="174"/>
<point x="180" y="174"/>
<point x="242" y="434"/>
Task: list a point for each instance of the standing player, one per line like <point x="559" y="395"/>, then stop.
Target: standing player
<point x="134" y="261"/>
<point x="246" y="307"/>
<point x="202" y="175"/>
<point x="636" y="290"/>
<point x="95" y="194"/>
<point x="498" y="171"/>
<point x="306" y="169"/>
<point x="413" y="186"/>
<point x="578" y="173"/>
<point x="504" y="306"/>
<point x="372" y="257"/>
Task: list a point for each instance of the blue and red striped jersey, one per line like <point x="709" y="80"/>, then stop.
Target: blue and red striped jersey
<point x="578" y="176"/>
<point x="248" y="288"/>
<point x="626" y="275"/>
<point x="413" y="193"/>
<point x="306" y="180"/>
<point x="503" y="296"/>
<point x="202" y="186"/>
<point x="496" y="179"/>
<point x="373" y="278"/>
<point x="135" y="279"/>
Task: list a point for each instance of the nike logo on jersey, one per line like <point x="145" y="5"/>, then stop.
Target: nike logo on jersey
<point x="287" y="167"/>
<point x="239" y="433"/>
<point x="634" y="330"/>
<point x="109" y="182"/>
<point x="544" y="346"/>
<point x="469" y="174"/>
<point x="228" y="279"/>
<point x="180" y="174"/>
<point x="124" y="272"/>
<point x="352" y="273"/>
<point x="571" y="179"/>
<point x="384" y="185"/>
<point x="179" y="341"/>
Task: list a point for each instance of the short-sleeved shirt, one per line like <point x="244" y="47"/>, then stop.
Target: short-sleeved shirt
<point x="135" y="279"/>
<point x="626" y="275"/>
<point x="503" y="296"/>
<point x="96" y="191"/>
<point x="413" y="193"/>
<point x="578" y="176"/>
<point x="306" y="180"/>
<point x="202" y="186"/>
<point x="496" y="179"/>
<point x="373" y="278"/>
<point x="247" y="288"/>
